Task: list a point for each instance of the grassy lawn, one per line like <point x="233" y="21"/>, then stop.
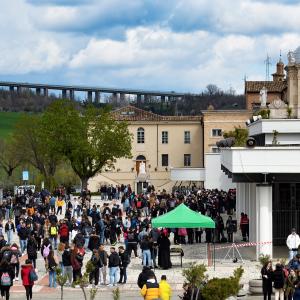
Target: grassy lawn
<point x="7" y="122"/>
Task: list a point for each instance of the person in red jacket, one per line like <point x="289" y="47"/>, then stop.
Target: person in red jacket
<point x="63" y="232"/>
<point x="25" y="275"/>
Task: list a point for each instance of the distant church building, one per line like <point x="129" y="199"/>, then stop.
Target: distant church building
<point x="276" y="89"/>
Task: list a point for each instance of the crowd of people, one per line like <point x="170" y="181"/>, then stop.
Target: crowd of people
<point x="63" y="231"/>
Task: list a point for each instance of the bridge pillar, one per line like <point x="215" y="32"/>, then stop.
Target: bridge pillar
<point x="72" y="94"/>
<point x="146" y="98"/>
<point x="115" y="98"/>
<point x="38" y="91"/>
<point x="11" y="88"/>
<point x="138" y="100"/>
<point x="64" y="94"/>
<point x="97" y="97"/>
<point x="19" y="89"/>
<point x="122" y="99"/>
<point x="90" y="96"/>
<point x="163" y="99"/>
<point x="45" y="92"/>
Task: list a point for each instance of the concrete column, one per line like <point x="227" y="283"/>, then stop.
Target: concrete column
<point x="11" y="88"/>
<point x="146" y="98"/>
<point x="45" y="92"/>
<point x="138" y="99"/>
<point x="252" y="212"/>
<point x="38" y="91"/>
<point x="72" y="94"/>
<point x="19" y="89"/>
<point x="163" y="99"/>
<point x="122" y="99"/>
<point x="64" y="94"/>
<point x="97" y="97"/>
<point x="264" y="220"/>
<point x="114" y="98"/>
<point x="90" y="96"/>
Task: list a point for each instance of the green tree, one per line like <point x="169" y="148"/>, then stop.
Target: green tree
<point x="9" y="156"/>
<point x="61" y="280"/>
<point x="89" y="138"/>
<point x="239" y="134"/>
<point x="32" y="145"/>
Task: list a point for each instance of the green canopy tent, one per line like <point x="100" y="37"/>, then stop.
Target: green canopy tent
<point x="183" y="217"/>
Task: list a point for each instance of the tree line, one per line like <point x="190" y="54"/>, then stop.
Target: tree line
<point x="86" y="139"/>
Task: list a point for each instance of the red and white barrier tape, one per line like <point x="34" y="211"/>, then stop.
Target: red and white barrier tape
<point x="250" y="244"/>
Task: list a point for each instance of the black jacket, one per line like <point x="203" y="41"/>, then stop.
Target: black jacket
<point x="8" y="269"/>
<point x="114" y="260"/>
<point x="144" y="276"/>
<point x="125" y="259"/>
<point x="94" y="242"/>
<point x="24" y="233"/>
<point x="66" y="258"/>
<point x="278" y="278"/>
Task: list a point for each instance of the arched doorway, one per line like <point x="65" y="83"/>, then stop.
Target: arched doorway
<point x="141" y="183"/>
<point x="139" y="159"/>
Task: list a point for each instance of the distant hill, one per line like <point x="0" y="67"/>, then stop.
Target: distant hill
<point x="7" y="123"/>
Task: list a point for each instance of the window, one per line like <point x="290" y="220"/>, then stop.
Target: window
<point x="140" y="135"/>
<point x="216" y="132"/>
<point x="164" y="137"/>
<point x="165" y="160"/>
<point x="187" y="137"/>
<point x="215" y="150"/>
<point x="187" y="160"/>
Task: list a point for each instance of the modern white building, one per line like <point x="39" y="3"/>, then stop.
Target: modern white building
<point x="268" y="175"/>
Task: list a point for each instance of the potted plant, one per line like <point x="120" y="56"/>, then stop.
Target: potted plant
<point x="289" y="111"/>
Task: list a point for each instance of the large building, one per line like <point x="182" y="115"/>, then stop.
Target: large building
<point x="268" y="175"/>
<point x="171" y="149"/>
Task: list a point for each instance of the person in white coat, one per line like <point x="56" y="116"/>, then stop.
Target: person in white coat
<point x="293" y="242"/>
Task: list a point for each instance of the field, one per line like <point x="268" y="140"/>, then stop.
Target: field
<point x="7" y="122"/>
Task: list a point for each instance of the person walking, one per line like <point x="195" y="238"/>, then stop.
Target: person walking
<point x="267" y="273"/>
<point x="165" y="290"/>
<point x="103" y="260"/>
<point x="7" y="275"/>
<point x="9" y="230"/>
<point x="14" y="260"/>
<point x="146" y="246"/>
<point x="113" y="265"/>
<point x="94" y="275"/>
<point x="293" y="242"/>
<point x="51" y="268"/>
<point x="66" y="260"/>
<point x="150" y="290"/>
<point x="32" y="249"/>
<point x="25" y="275"/>
<point x="125" y="261"/>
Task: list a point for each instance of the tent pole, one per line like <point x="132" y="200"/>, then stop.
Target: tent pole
<point x="214" y="257"/>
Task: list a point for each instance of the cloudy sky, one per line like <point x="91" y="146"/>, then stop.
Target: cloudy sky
<point x="179" y="45"/>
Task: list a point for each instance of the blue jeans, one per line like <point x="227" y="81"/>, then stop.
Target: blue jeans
<point x="23" y="244"/>
<point x="147" y="261"/>
<point x="53" y="241"/>
<point x="9" y="236"/>
<point x="102" y="237"/>
<point x="113" y="275"/>
<point x="52" y="279"/>
<point x="86" y="242"/>
<point x="292" y="254"/>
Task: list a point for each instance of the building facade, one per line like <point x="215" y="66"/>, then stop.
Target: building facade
<point x="159" y="143"/>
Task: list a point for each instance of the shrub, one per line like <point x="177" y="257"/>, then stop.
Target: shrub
<point x="263" y="259"/>
<point x="222" y="288"/>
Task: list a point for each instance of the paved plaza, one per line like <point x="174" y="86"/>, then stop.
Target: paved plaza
<point x="192" y="253"/>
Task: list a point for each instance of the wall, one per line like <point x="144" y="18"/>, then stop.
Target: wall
<point x="215" y="178"/>
<point x="225" y="120"/>
<point x="254" y="98"/>
<point x="152" y="149"/>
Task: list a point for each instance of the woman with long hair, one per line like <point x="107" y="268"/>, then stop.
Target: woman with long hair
<point x="267" y="274"/>
<point x="60" y="251"/>
<point x="51" y="267"/>
<point x="32" y="249"/>
<point x="7" y="276"/>
<point x="77" y="262"/>
<point x="14" y="259"/>
<point x="25" y="275"/>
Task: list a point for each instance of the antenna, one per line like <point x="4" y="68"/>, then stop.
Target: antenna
<point x="268" y="63"/>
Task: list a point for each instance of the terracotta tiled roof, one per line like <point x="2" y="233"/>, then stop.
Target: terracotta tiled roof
<point x="131" y="113"/>
<point x="271" y="86"/>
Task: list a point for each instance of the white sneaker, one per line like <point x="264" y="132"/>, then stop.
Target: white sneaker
<point x="110" y="285"/>
<point x="17" y="278"/>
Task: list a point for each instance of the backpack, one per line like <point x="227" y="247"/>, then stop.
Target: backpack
<point x="64" y="231"/>
<point x="33" y="276"/>
<point x="53" y="230"/>
<point x="7" y="255"/>
<point x="14" y="259"/>
<point x="46" y="250"/>
<point x="5" y="279"/>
